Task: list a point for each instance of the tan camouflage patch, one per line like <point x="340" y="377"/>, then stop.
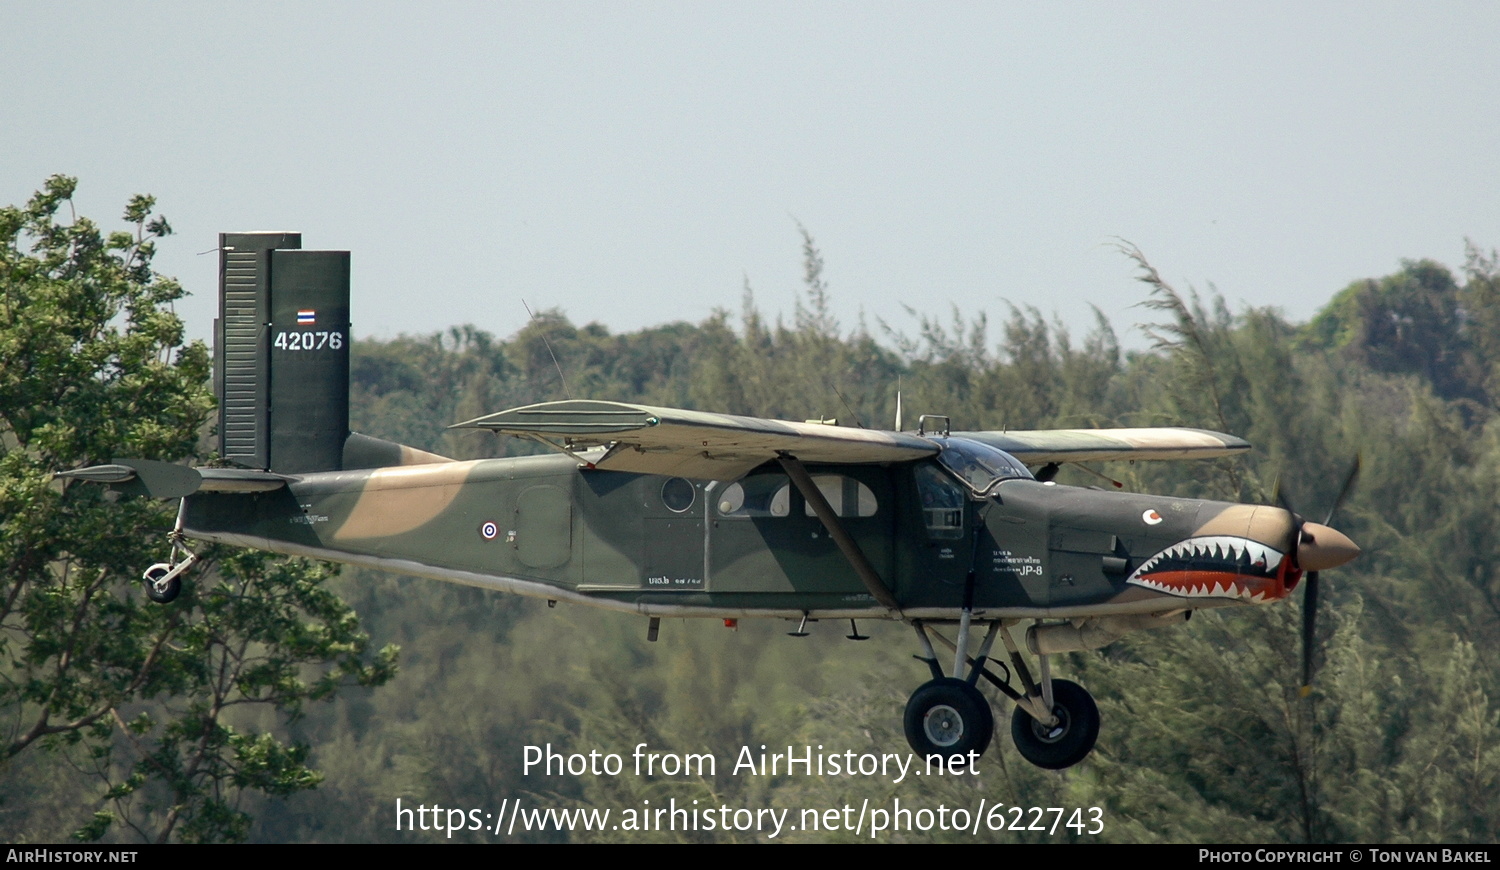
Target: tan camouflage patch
<point x="397" y="500"/>
<point x="1268" y="525"/>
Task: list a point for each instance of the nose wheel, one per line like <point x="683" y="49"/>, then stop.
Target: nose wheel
<point x="162" y="586"/>
<point x="164" y="579"/>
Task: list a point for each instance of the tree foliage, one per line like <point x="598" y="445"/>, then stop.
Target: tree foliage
<point x="143" y="700"/>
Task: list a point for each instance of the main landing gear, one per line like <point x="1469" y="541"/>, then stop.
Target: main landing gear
<point x="1054" y="724"/>
<point x="947" y="716"/>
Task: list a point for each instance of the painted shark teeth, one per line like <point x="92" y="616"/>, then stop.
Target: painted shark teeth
<point x="1240" y="552"/>
<point x="1219" y="564"/>
<point x="1233" y="589"/>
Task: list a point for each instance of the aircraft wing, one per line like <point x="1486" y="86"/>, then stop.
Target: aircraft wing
<point x="1041" y="446"/>
<point x="670" y="441"/>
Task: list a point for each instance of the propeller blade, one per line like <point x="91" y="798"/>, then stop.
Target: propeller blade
<point x="1297" y="521"/>
<point x="1344" y="490"/>
<point x="1309" y="628"/>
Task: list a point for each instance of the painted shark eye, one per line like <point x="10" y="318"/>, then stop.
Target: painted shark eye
<point x="1151" y="517"/>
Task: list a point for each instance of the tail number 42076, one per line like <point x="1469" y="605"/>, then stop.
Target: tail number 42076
<point x="307" y="339"/>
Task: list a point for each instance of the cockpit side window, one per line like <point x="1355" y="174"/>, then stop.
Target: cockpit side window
<point x="942" y="503"/>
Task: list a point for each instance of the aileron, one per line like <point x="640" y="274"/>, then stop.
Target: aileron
<point x="1099" y="445"/>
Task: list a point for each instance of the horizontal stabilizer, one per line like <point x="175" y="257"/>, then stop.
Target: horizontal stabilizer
<point x="100" y="474"/>
<point x="166" y="480"/>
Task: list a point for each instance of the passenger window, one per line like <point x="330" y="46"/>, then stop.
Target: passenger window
<point x="847" y="496"/>
<point x="770" y="495"/>
<point x="763" y="495"/>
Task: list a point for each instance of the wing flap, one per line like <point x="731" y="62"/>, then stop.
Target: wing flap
<point x="651" y="440"/>
<point x="699" y="465"/>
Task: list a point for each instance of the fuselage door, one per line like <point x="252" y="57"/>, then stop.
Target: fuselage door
<point x="763" y="536"/>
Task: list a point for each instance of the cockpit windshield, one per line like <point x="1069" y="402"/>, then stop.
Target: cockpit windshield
<point x="980" y="466"/>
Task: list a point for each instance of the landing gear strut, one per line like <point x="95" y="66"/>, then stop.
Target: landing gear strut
<point x="1054" y="725"/>
<point x="164" y="579"/>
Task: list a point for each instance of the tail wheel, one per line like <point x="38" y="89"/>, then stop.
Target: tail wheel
<point x="1066" y="743"/>
<point x="156" y="590"/>
<point x="948" y="717"/>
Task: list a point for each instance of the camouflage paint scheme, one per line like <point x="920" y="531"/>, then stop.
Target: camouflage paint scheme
<point x="563" y="527"/>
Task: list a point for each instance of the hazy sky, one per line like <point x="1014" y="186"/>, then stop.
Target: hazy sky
<point x="636" y="163"/>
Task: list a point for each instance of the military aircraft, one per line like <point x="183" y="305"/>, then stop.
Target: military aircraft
<point x="664" y="512"/>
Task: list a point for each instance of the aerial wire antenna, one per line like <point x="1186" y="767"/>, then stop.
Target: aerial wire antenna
<point x="560" y="376"/>
<point x="858" y="421"/>
<point x="898" y="403"/>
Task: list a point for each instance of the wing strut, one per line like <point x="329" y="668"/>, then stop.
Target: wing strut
<point x="847" y="545"/>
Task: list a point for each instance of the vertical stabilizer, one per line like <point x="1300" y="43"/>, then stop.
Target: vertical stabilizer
<point x="282" y="353"/>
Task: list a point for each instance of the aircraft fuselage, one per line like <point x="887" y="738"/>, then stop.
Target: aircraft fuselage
<point x="546" y="527"/>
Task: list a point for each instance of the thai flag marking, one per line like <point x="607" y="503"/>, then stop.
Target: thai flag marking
<point x="306" y="316"/>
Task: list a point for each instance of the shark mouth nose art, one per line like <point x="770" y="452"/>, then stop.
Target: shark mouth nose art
<point x="1218" y="566"/>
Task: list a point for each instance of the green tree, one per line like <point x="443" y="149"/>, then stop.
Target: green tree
<point x="1481" y="317"/>
<point x="1417" y="321"/>
<point x="143" y="698"/>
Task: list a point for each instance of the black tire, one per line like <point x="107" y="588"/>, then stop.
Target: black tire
<point x="1065" y="744"/>
<point x="948" y="717"/>
<point x="162" y="596"/>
